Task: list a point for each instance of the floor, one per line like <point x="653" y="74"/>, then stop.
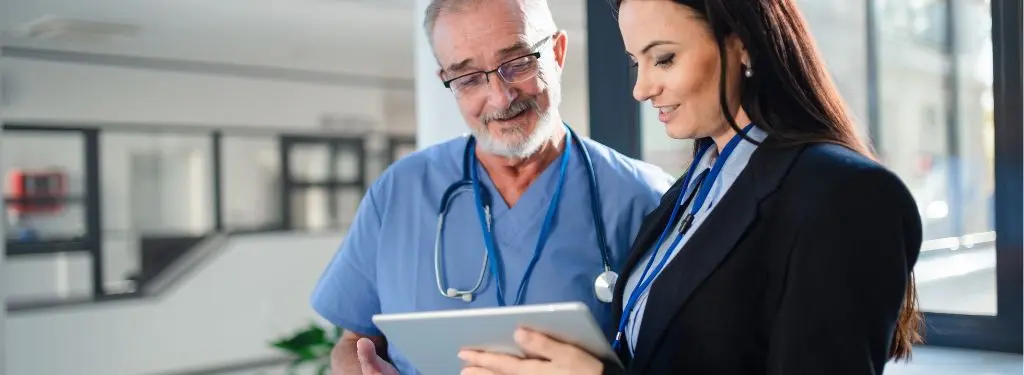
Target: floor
<point x="927" y="361"/>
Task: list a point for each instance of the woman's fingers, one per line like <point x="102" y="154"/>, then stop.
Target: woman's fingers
<point x="477" y="371"/>
<point x="541" y="345"/>
<point x="558" y="358"/>
<point x="484" y="363"/>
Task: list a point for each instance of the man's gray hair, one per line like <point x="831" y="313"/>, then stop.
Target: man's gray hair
<point x="538" y="11"/>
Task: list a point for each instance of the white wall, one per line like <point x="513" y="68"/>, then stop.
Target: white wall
<point x="3" y="267"/>
<point x="47" y="277"/>
<point x="56" y="91"/>
<point x="575" y="106"/>
<point x="255" y="291"/>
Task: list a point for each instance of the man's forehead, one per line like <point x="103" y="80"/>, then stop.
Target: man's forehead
<point x="455" y="51"/>
<point x="472" y="55"/>
<point x="484" y="31"/>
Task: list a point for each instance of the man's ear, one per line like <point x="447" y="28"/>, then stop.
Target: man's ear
<point x="560" y="43"/>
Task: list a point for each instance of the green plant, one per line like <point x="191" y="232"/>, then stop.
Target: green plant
<point x="309" y="346"/>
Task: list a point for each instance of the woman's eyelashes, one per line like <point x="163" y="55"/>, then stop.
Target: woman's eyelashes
<point x="665" y="61"/>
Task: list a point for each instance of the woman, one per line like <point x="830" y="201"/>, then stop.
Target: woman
<point x="797" y="247"/>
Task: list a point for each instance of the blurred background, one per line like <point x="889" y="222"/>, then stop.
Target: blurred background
<point x="177" y="174"/>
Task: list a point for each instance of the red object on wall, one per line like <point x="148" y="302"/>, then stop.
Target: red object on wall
<point x="38" y="191"/>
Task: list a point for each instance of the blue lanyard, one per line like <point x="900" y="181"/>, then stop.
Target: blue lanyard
<point x="485" y="222"/>
<point x="702" y="191"/>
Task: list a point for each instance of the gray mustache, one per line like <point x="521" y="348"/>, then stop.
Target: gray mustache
<point x="513" y="110"/>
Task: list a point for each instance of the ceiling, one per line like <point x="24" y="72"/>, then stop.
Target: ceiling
<point x="368" y="37"/>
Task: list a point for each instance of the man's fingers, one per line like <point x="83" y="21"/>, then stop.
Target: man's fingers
<point x="365" y="349"/>
<point x="538" y="344"/>
<point x="367" y="354"/>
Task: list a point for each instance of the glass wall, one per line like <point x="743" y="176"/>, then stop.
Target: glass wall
<point x="932" y="124"/>
<point x="325" y="179"/>
<point x="154" y="186"/>
<point x="45" y="183"/>
<point x="29" y="176"/>
<point x="251" y="177"/>
<point x="936" y="132"/>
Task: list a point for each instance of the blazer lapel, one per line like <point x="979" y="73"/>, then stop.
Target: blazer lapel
<point x="709" y="244"/>
<point x="649" y="231"/>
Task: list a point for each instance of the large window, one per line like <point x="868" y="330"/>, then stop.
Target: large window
<point x="936" y="132"/>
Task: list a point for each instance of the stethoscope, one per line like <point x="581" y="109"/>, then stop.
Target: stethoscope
<point x="604" y="283"/>
<point x="697" y="195"/>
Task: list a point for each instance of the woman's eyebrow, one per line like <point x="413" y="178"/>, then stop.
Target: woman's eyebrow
<point x="655" y="44"/>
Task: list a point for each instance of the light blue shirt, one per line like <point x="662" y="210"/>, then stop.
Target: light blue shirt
<point x="733" y="167"/>
<point x="386" y="262"/>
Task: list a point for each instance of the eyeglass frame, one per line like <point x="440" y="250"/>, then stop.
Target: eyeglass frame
<point x="487" y="73"/>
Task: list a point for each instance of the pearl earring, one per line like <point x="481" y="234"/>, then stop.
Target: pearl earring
<point x="748" y="72"/>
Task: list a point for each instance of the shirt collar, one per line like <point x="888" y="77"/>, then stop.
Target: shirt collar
<point x="739" y="157"/>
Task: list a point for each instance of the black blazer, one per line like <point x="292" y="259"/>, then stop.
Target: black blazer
<point x="800" y="269"/>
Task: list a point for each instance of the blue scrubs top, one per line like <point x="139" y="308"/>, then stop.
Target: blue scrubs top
<point x="386" y="262"/>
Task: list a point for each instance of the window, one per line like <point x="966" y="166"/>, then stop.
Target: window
<point x="43" y="191"/>
<point x="251" y="182"/>
<point x="324" y="181"/>
<point x="936" y="128"/>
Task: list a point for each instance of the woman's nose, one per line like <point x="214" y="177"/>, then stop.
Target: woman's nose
<point x="643" y="89"/>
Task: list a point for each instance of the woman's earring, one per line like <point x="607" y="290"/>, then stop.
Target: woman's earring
<point x="748" y="72"/>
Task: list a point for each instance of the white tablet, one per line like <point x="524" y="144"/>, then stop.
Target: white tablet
<point x="432" y="340"/>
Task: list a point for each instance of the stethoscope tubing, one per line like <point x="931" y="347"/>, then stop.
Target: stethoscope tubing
<point x="491" y="260"/>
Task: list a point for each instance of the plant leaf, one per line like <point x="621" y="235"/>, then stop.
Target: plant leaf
<point x="300" y="342"/>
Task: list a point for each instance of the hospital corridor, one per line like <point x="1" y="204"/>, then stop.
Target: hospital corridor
<point x="188" y="186"/>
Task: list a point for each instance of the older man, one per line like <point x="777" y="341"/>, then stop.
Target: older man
<point x="549" y="211"/>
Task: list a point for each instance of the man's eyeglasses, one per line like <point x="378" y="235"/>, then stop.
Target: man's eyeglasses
<point x="512" y="71"/>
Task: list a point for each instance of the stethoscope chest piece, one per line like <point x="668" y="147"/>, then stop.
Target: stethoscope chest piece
<point x="455" y="293"/>
<point x="604" y="286"/>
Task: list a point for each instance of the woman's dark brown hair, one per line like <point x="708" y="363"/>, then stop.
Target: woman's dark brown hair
<point x="792" y="97"/>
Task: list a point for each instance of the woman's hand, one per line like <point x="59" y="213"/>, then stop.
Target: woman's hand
<point x="555" y="358"/>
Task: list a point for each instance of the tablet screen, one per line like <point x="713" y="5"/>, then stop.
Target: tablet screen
<point x="432" y="340"/>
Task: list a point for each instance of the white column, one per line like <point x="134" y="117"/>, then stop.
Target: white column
<point x="437" y="115"/>
<point x="3" y="258"/>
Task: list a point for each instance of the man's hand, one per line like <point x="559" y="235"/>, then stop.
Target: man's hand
<point x="369" y="362"/>
<point x="355" y="354"/>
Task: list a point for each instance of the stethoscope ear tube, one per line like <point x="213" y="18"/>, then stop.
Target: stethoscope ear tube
<point x="595" y="207"/>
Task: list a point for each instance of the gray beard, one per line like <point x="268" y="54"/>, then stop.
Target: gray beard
<point x="523" y="146"/>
